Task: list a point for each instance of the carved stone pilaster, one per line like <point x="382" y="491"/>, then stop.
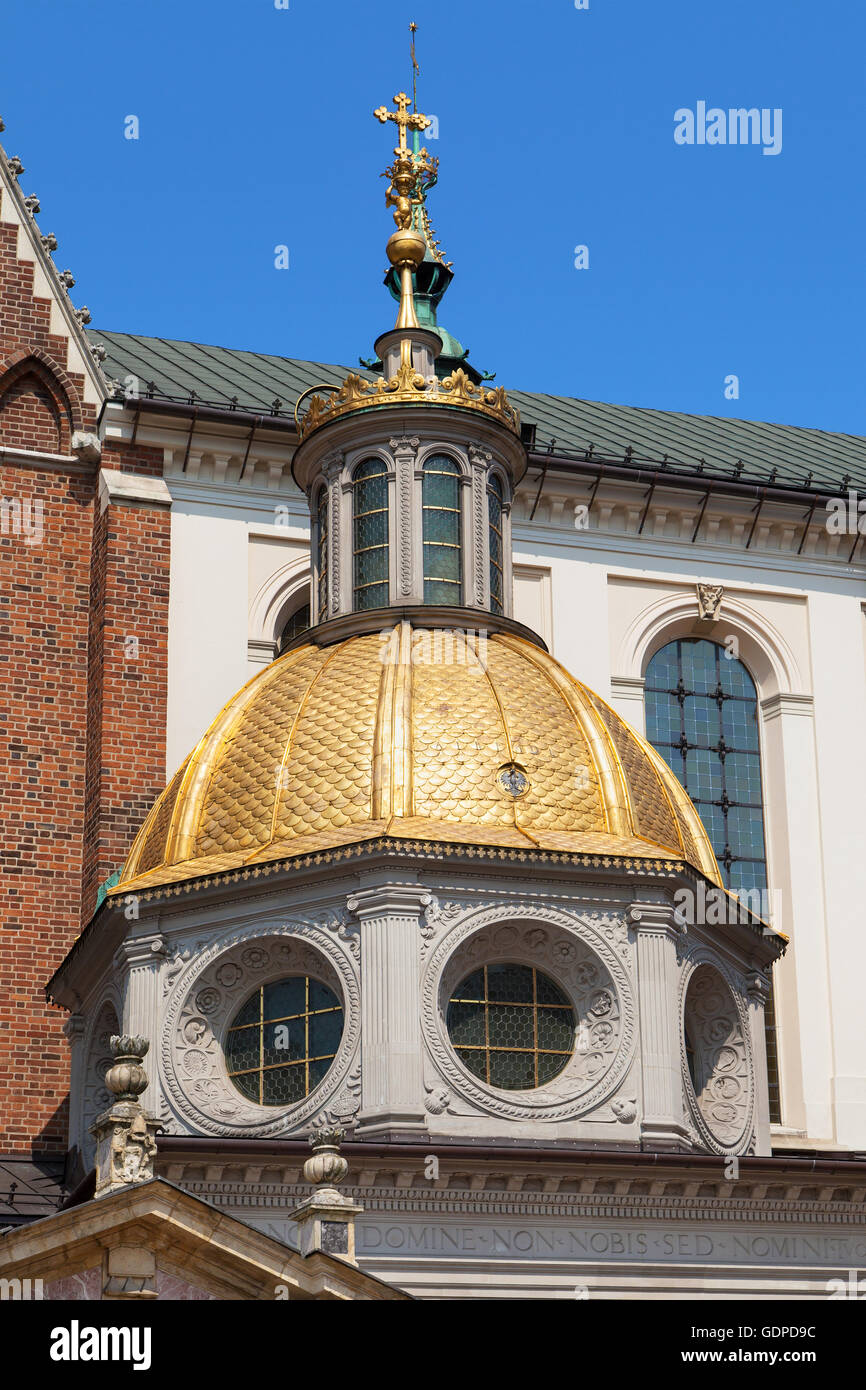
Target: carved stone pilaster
<point x="657" y="931"/>
<point x="392" y="1093"/>
<point x="480" y="460"/>
<point x="758" y="994"/>
<point x="332" y="471"/>
<point x="405" y="450"/>
<point x="139" y="960"/>
<point x="75" y="1028"/>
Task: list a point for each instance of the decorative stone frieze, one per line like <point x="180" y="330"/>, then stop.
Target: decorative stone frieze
<point x="205" y="993"/>
<point x="721" y="1094"/>
<point x="576" y="949"/>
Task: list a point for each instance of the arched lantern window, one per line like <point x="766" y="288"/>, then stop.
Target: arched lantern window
<point x="495" y="503"/>
<point x="370" y="534"/>
<point x="440" y="502"/>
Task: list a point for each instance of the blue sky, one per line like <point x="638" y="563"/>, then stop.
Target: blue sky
<point x="556" y="129"/>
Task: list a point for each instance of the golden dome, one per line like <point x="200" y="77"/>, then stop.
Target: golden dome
<point x="415" y="734"/>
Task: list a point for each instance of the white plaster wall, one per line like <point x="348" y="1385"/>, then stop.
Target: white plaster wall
<point x="811" y="679"/>
<point x="836" y="633"/>
<point x="207" y="614"/>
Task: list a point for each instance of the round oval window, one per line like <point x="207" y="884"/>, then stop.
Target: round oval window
<point x="511" y="1026"/>
<point x="283" y="1040"/>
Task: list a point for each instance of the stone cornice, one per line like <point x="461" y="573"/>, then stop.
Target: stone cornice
<point x="132" y="489"/>
<point x="631" y="1202"/>
<point x="782" y="703"/>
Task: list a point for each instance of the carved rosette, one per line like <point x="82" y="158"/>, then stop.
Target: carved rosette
<point x="580" y="957"/>
<point x="721" y="1099"/>
<point x="207" y="995"/>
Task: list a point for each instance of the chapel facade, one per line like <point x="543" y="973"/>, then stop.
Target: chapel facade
<point x="386" y="867"/>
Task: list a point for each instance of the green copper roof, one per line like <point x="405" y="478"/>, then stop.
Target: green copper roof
<point x="784" y="454"/>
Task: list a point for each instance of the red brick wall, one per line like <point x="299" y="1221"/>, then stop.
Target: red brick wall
<point x="44" y="619"/>
<point x="29" y="416"/>
<point x="82" y="720"/>
<point x="128" y="683"/>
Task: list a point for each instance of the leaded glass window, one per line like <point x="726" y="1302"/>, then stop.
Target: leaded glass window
<point x="322" y="551"/>
<point x="494" y="517"/>
<point x="283" y="1040"/>
<point x="299" y="622"/>
<point x="511" y="1026"/>
<point x="370" y="489"/>
<point x="440" y="503"/>
<point x="702" y="716"/>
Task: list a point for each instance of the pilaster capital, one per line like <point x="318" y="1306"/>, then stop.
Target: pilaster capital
<point x="390" y="900"/>
<point x="405" y="446"/>
<point x="144" y="950"/>
<point x="656" y="919"/>
<point x="758" y="988"/>
<point x="74" y="1028"/>
<point x="479" y="456"/>
<point x="332" y="465"/>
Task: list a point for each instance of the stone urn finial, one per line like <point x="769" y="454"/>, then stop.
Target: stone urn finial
<point x="126" y="1078"/>
<point x="326" y="1168"/>
<point x="125" y="1134"/>
<point x="326" y="1220"/>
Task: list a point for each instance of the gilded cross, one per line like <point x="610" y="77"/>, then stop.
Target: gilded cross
<point x="404" y="119"/>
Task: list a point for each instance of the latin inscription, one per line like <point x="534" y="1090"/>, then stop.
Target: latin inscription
<point x="549" y="1242"/>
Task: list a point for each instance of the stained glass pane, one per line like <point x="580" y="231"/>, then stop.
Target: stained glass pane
<point x="701" y="723"/>
<point x="242" y="1049"/>
<point x="325" y="1032"/>
<point x="283" y="1040"/>
<point x="511" y="1026"/>
<point x="555" y="1030"/>
<point x="466" y="1023"/>
<point x="509" y="982"/>
<point x="473" y="986"/>
<point x="370" y="534"/>
<point x="513" y="1071"/>
<point x="662" y="717"/>
<point x="284" y="1085"/>
<point x="250" y="1011"/>
<point x="285" y="997"/>
<point x="441" y="530"/>
<point x="740" y="723"/>
<point x="441" y="562"/>
<point x="699" y="666"/>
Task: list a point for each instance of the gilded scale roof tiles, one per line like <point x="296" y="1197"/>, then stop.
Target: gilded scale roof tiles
<point x="331" y="746"/>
